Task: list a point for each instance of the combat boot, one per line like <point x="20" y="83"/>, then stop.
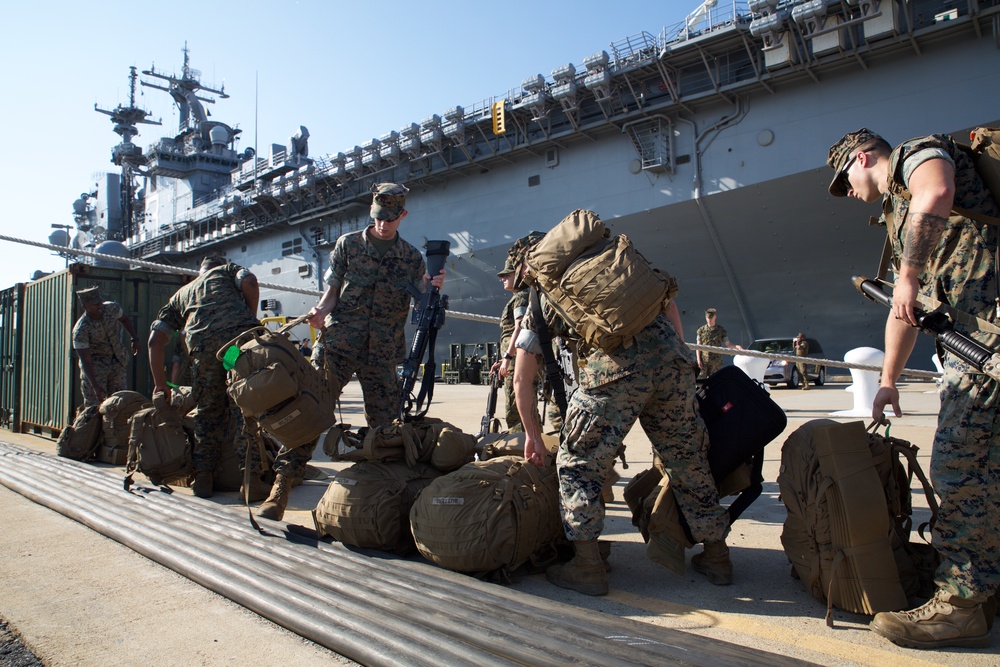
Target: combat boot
<point x="259" y="490"/>
<point x="203" y="484"/>
<point x="714" y="563"/>
<point x="585" y="573"/>
<point x="608" y="492"/>
<point x="944" y="620"/>
<point x="274" y="506"/>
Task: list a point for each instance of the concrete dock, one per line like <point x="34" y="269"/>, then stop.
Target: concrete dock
<point x="78" y="598"/>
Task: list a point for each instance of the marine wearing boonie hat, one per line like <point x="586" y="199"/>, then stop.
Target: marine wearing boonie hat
<point x="840" y="157"/>
<point x="388" y="201"/>
<point x="90" y="295"/>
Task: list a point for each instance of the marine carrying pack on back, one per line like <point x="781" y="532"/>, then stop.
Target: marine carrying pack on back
<point x="849" y="517"/>
<point x="489" y="516"/>
<point x="81" y="439"/>
<point x="274" y="384"/>
<point x="600" y="284"/>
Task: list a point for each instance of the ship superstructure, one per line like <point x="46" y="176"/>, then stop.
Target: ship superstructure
<point x="705" y="142"/>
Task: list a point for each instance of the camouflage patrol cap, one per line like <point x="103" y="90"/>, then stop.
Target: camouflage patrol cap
<point x="520" y="248"/>
<point x="508" y="267"/>
<point x="710" y="311"/>
<point x="388" y="201"/>
<point x="90" y="296"/>
<point x="211" y="261"/>
<point x="840" y="154"/>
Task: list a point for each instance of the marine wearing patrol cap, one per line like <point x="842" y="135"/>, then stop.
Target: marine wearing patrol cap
<point x="388" y="201"/>
<point x="90" y="296"/>
<point x="842" y="156"/>
<point x="709" y="311"/>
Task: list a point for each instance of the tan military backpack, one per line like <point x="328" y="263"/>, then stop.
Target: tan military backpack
<point x="600" y="284"/>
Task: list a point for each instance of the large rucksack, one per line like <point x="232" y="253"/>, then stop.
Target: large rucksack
<point x="159" y="446"/>
<point x="81" y="439"/>
<point x="847" y="532"/>
<point x="489" y="516"/>
<point x="275" y="385"/>
<point x="601" y="285"/>
<point x="116" y="410"/>
<point x="368" y="505"/>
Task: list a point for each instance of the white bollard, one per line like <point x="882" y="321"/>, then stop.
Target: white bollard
<point x="864" y="384"/>
<point x="754" y="367"/>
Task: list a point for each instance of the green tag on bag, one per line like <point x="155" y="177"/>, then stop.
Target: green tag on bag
<point x="230" y="357"/>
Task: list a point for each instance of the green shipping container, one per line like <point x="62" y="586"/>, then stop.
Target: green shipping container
<point x="11" y="307"/>
<point x="50" y="376"/>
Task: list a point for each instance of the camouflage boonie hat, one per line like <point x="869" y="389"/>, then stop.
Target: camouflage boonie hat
<point x="388" y="201"/>
<point x="839" y="157"/>
<point x="710" y="311"/>
<point x="91" y="296"/>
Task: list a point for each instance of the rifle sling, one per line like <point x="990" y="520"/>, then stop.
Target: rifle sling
<point x="552" y="371"/>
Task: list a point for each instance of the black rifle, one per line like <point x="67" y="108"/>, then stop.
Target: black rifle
<point x="428" y="316"/>
<point x="490" y="424"/>
<point x="940" y="326"/>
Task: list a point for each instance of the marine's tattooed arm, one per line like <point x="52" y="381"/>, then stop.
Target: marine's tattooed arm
<point x="922" y="237"/>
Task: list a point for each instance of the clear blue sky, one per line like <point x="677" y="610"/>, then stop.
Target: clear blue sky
<point x="348" y="71"/>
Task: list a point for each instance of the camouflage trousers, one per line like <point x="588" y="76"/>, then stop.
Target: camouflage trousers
<point x="218" y="422"/>
<point x="110" y="376"/>
<point x="710" y="364"/>
<point x="803" y="373"/>
<point x="380" y="388"/>
<point x="663" y="400"/>
<point x="965" y="474"/>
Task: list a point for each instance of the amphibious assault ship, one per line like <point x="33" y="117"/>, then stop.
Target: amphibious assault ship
<point x="705" y="142"/>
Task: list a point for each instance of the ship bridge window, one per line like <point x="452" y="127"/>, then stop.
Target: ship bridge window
<point x="293" y="247"/>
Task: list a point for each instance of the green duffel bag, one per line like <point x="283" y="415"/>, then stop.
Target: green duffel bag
<point x="368" y="504"/>
<point x="489" y="515"/>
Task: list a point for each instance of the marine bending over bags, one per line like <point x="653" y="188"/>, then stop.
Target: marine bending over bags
<point x="634" y="365"/>
<point x="220" y="304"/>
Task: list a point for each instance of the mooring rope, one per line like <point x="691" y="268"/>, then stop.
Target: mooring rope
<point x="473" y="317"/>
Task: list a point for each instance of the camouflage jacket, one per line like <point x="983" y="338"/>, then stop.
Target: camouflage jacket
<point x="375" y="294"/>
<point x="513" y="311"/>
<point x="102" y="337"/>
<point x="715" y="336"/>
<point x="656" y="345"/>
<point x="210" y="310"/>
<point x="962" y="272"/>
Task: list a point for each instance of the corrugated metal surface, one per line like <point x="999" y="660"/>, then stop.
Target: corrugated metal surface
<point x="11" y="316"/>
<point x="50" y="379"/>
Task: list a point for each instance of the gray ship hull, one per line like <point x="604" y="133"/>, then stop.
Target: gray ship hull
<point x="708" y="149"/>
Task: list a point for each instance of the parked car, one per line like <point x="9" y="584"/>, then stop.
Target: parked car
<point x="785" y="371"/>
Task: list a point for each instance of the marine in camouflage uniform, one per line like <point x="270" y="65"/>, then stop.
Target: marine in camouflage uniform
<point x="97" y="339"/>
<point x="373" y="276"/>
<point x="510" y="324"/>
<point x="653" y="381"/>
<point x="711" y="334"/>
<point x="213" y="309"/>
<point x="514" y="310"/>
<point x="801" y="347"/>
<point x="941" y="257"/>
